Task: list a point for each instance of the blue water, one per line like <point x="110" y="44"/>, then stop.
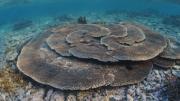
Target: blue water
<point x="35" y="9"/>
<point x="160" y="15"/>
<point x="15" y="11"/>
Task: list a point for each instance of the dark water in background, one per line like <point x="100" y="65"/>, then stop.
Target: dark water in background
<point x="31" y="9"/>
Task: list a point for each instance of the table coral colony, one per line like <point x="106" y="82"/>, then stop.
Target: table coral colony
<point x="86" y="56"/>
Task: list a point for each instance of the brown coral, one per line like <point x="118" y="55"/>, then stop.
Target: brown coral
<point x="138" y="45"/>
<point x="173" y="50"/>
<point x="164" y="63"/>
<point x="170" y="56"/>
<point x="81" y="57"/>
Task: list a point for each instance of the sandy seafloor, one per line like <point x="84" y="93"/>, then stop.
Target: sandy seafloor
<point x="153" y="88"/>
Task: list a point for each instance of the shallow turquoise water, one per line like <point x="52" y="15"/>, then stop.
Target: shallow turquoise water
<point x="15" y="11"/>
<point x="160" y="15"/>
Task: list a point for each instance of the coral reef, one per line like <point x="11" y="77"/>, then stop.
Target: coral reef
<point x="86" y="56"/>
<point x="82" y="20"/>
<point x="150" y="89"/>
